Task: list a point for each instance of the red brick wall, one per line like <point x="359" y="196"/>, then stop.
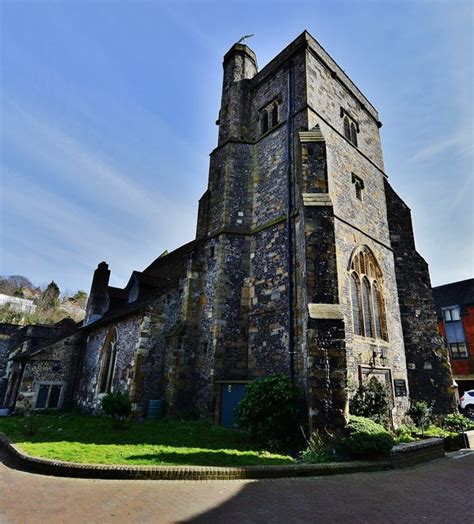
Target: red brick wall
<point x="464" y="366"/>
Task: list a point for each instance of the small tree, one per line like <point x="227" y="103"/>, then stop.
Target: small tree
<point x="273" y="411"/>
<point x="80" y="298"/>
<point x="420" y="413"/>
<point x="49" y="297"/>
<point x="119" y="407"/>
<point x="372" y="400"/>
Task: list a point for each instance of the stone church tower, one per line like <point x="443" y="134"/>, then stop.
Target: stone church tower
<point x="304" y="264"/>
<point x="304" y="277"/>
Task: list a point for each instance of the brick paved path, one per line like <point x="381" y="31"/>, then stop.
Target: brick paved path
<point x="438" y="492"/>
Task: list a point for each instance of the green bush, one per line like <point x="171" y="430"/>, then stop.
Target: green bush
<point x="118" y="406"/>
<point x="404" y="434"/>
<point x="420" y="412"/>
<point x="317" y="451"/>
<point x="273" y="411"/>
<point x="457" y="423"/>
<point x="372" y="400"/>
<point x="365" y="439"/>
<point x="437" y="432"/>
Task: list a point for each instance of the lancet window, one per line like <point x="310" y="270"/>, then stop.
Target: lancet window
<point x="108" y="360"/>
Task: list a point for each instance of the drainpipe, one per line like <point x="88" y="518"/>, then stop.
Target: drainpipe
<point x="289" y="225"/>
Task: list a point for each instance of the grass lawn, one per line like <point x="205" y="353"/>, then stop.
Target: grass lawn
<point x="93" y="440"/>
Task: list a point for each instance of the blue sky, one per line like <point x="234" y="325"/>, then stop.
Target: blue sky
<point x="108" y="113"/>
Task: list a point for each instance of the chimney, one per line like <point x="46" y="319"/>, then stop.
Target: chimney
<point x="98" y="303"/>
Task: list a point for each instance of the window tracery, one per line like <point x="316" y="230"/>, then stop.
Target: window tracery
<point x="368" y="307"/>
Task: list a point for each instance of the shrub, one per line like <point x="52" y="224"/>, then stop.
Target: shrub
<point x="118" y="406"/>
<point x="404" y="434"/>
<point x="317" y="450"/>
<point x="457" y="423"/>
<point x="272" y="410"/>
<point x="366" y="439"/>
<point x="372" y="400"/>
<point x="420" y="413"/>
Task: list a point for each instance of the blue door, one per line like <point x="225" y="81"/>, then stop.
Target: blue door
<point x="231" y="395"/>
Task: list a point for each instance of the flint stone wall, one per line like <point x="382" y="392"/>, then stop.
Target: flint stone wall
<point x="55" y="363"/>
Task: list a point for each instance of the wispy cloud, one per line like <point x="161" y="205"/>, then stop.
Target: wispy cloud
<point x="461" y="145"/>
<point x="70" y="161"/>
<point x="77" y="207"/>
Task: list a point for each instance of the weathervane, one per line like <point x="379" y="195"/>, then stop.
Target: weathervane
<point x="242" y="40"/>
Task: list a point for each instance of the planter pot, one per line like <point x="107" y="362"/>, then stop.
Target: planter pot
<point x="454" y="443"/>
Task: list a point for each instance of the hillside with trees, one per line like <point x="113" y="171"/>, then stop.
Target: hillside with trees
<point x="32" y="304"/>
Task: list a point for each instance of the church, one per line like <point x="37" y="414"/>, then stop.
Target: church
<point x="304" y="264"/>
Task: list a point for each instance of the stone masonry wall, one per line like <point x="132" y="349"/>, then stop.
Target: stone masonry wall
<point x="429" y="371"/>
<point x="326" y="96"/>
<point x="128" y="336"/>
<point x="56" y="363"/>
<point x="358" y="223"/>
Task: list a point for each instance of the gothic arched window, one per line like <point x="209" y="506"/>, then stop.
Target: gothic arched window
<point x="108" y="358"/>
<point x="368" y="307"/>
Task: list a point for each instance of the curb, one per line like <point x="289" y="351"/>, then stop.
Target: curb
<point x="60" y="468"/>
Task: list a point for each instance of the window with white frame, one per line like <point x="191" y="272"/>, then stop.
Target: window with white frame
<point x="455" y="332"/>
<point x="458" y="350"/>
<point x="452" y="313"/>
<point x="48" y="396"/>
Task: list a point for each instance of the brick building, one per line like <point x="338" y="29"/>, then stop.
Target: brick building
<point x="455" y="310"/>
<point x="303" y="264"/>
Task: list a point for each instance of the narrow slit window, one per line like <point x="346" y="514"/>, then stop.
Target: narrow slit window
<point x="353" y="134"/>
<point x="366" y="303"/>
<point x="264" y="122"/>
<point x="274" y="115"/>
<point x="355" y="292"/>
<point x="347" y="128"/>
<point x="358" y="186"/>
<point x="377" y="312"/>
